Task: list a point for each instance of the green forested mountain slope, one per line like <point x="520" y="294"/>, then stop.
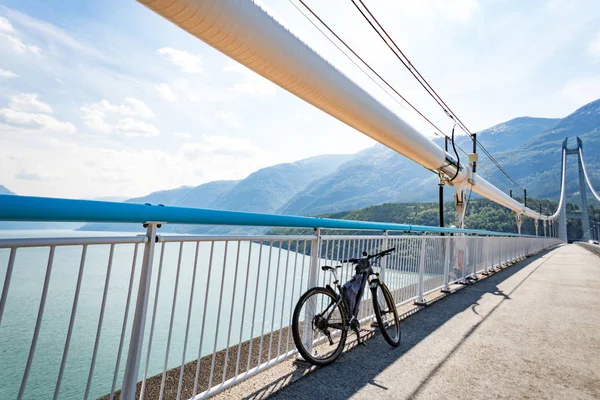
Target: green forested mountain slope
<point x="378" y="174"/>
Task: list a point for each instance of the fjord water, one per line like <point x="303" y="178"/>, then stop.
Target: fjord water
<point x="17" y="326"/>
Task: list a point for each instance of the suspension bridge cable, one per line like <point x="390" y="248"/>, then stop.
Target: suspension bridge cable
<point x="437" y="131"/>
<point x="587" y="178"/>
<point x="417" y="75"/>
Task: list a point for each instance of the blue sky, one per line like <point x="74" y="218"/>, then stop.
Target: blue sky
<point x="105" y="98"/>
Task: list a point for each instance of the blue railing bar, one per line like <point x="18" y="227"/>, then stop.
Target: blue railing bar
<point x="28" y="208"/>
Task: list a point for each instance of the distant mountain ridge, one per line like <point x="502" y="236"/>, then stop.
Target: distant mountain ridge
<point x="4" y="190"/>
<point x="265" y="190"/>
<point x="527" y="147"/>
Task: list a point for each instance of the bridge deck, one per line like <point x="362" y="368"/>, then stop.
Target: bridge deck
<point x="529" y="331"/>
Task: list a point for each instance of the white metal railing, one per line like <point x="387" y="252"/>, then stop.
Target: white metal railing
<point x="72" y="311"/>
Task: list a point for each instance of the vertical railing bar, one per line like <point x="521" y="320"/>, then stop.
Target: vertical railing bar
<point x="7" y="278"/>
<point x="187" y="325"/>
<point x="38" y="323"/>
<point x="239" y="350"/>
<point x="71" y="322"/>
<point x="323" y="273"/>
<point x="175" y="289"/>
<point x="210" y="264"/>
<point x="406" y="277"/>
<point x="124" y="327"/>
<point x="138" y="325"/>
<point x="264" y="313"/>
<point x="100" y="320"/>
<point x="285" y="279"/>
<point x="287" y="348"/>
<point x="367" y="295"/>
<point x="303" y="265"/>
<point x="274" y="300"/>
<point x="255" y="303"/>
<point x="156" y="295"/>
<point x="312" y="281"/>
<point x="235" y="278"/>
<point x="212" y="364"/>
<point x="392" y="270"/>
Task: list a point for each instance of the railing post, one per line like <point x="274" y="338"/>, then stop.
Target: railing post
<point x="420" y="300"/>
<point x="134" y="354"/>
<point x="446" y="244"/>
<point x="313" y="280"/>
<point x="384" y="259"/>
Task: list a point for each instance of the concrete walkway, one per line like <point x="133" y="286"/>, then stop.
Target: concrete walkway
<point x="531" y="331"/>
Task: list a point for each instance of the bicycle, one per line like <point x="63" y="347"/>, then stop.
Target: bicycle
<point x="331" y="325"/>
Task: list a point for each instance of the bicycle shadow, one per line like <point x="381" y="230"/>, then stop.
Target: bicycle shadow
<point x="360" y="367"/>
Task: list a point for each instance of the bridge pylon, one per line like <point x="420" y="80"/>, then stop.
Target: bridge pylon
<point x="585" y="220"/>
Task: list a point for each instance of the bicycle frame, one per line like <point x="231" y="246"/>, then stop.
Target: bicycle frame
<point x="372" y="282"/>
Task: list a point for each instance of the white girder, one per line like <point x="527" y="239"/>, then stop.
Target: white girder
<point x="243" y="31"/>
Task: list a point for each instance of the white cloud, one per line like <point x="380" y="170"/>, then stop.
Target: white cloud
<point x="4" y="73"/>
<point x="105" y="117"/>
<point x="35" y="120"/>
<point x="252" y="82"/>
<point x="10" y="35"/>
<point x="74" y="170"/>
<point x="184" y="135"/>
<point x="48" y="32"/>
<point x="188" y="62"/>
<point x="6" y="26"/>
<point x="594" y="47"/>
<point x="229" y="119"/>
<point x="29" y="102"/>
<point x="166" y="91"/>
<point x="21" y="48"/>
<point x="26" y="110"/>
<point x="222" y="145"/>
<point x="131" y="127"/>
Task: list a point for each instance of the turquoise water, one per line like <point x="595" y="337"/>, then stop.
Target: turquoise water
<point x="17" y="326"/>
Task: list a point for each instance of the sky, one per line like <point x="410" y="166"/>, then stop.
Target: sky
<point x="106" y="98"/>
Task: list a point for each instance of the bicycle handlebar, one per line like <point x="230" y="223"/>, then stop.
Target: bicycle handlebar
<point x="380" y="254"/>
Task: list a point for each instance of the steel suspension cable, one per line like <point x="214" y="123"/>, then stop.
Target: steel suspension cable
<point x="417" y="75"/>
<point x="437" y="130"/>
<point x="587" y="178"/>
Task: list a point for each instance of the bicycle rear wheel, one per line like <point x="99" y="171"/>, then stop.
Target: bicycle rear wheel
<point x="386" y="314"/>
<point x="318" y="326"/>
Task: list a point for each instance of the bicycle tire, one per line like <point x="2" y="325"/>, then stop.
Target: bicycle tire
<point x="297" y="329"/>
<point x="390" y="308"/>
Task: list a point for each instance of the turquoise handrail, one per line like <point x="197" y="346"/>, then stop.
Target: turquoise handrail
<point x="29" y="208"/>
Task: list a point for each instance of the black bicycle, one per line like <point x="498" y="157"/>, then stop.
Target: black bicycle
<point x="323" y="315"/>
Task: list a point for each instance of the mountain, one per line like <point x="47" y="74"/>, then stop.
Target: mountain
<point x="513" y="133"/>
<point x="536" y="163"/>
<point x="270" y="188"/>
<point x="375" y="175"/>
<point x="265" y="190"/>
<point x="4" y="190"/>
<point x="379" y="175"/>
<point x="528" y="148"/>
<point x="165" y="197"/>
<point x="185" y="196"/>
<point x="481" y="214"/>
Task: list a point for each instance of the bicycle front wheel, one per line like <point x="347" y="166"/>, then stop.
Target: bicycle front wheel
<point x="318" y="326"/>
<point x="386" y="314"/>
